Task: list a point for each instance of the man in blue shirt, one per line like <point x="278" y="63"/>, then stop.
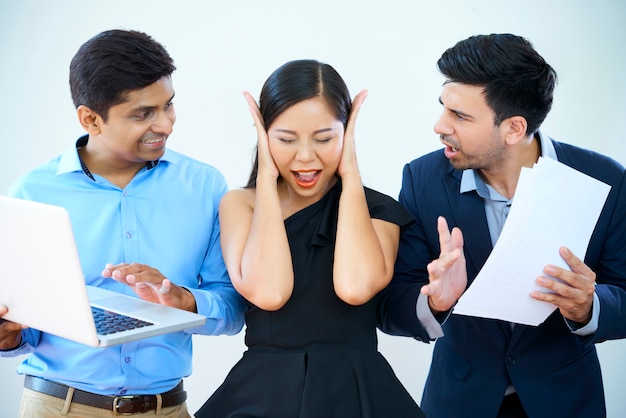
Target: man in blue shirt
<point x="145" y="220"/>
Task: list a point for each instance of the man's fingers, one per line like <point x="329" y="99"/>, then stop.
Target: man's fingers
<point x="457" y="238"/>
<point x="437" y="267"/>
<point x="575" y="263"/>
<point x="166" y="287"/>
<point x="579" y="276"/>
<point x="444" y="234"/>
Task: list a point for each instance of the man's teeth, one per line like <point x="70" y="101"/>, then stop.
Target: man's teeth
<point x="152" y="141"/>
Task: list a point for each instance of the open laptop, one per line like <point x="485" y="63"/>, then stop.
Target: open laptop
<point x="42" y="284"/>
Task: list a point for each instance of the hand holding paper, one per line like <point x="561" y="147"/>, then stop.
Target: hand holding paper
<point x="573" y="290"/>
<point x="554" y="206"/>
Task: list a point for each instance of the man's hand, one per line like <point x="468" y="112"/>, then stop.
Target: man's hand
<point x="10" y="332"/>
<point x="447" y="275"/>
<point x="149" y="284"/>
<point x="572" y="291"/>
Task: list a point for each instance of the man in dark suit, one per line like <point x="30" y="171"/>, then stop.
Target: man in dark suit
<point x="498" y="91"/>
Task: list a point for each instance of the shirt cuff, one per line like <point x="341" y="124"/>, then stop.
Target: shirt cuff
<point x="427" y="319"/>
<point x="23" y="348"/>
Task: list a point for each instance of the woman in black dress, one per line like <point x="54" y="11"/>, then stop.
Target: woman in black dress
<point x="309" y="247"/>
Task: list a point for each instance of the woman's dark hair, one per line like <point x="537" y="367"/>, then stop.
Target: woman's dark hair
<point x="517" y="81"/>
<point x="112" y="63"/>
<point x="294" y="82"/>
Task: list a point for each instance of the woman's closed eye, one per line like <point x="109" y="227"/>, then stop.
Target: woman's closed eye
<point x="286" y="140"/>
<point x="323" y="140"/>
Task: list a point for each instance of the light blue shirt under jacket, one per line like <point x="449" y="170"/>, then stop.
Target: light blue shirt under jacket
<point x="166" y="218"/>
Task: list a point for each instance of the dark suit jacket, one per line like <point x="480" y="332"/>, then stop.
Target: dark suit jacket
<point x="555" y="372"/>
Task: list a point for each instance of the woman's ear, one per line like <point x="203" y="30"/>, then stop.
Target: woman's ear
<point x="89" y="120"/>
<point x="515" y="129"/>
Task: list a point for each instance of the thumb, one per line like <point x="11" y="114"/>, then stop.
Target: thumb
<point x="166" y="287"/>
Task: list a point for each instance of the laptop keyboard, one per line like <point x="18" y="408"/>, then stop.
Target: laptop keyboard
<point x="108" y="322"/>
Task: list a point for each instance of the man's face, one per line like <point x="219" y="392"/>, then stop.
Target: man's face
<point x="466" y="128"/>
<point x="136" y="130"/>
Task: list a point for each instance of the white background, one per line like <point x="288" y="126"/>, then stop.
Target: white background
<point x="389" y="47"/>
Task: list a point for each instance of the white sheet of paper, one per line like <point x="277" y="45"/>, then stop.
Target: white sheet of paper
<point x="554" y="206"/>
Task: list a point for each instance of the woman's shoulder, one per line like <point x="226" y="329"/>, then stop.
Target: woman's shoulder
<point x="385" y="207"/>
<point x="238" y="197"/>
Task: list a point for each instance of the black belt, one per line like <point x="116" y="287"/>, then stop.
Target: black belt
<point x="118" y="404"/>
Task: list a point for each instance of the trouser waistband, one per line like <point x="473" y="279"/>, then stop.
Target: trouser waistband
<point x="118" y="404"/>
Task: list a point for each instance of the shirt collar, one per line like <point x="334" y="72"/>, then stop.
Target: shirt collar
<point x="70" y="160"/>
<point x="470" y="177"/>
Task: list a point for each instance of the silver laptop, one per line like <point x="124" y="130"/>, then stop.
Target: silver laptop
<point x="42" y="284"/>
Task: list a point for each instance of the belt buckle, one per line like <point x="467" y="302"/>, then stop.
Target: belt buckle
<point x="116" y="405"/>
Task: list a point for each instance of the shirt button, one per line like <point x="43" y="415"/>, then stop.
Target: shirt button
<point x="125" y="193"/>
<point x="127" y="360"/>
<point x="123" y="392"/>
<point x="511" y="360"/>
<point x="129" y="235"/>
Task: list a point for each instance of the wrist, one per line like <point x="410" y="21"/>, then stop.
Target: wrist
<point x="11" y="344"/>
<point x="190" y="301"/>
<point x="436" y="309"/>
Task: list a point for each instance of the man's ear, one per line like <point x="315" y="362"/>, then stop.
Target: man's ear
<point x="89" y="120"/>
<point x="515" y="129"/>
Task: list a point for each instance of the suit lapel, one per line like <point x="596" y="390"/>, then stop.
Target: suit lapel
<point x="468" y="212"/>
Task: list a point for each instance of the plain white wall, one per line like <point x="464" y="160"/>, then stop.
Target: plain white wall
<point x="224" y="47"/>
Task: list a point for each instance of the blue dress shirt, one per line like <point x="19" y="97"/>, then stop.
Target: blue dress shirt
<point x="167" y="218"/>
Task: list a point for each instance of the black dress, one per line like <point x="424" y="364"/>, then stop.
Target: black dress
<point x="317" y="356"/>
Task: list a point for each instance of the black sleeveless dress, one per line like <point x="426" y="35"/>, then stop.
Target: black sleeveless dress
<point x="317" y="356"/>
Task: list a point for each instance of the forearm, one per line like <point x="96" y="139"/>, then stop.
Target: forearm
<point x="360" y="268"/>
<point x="266" y="267"/>
<point x="397" y="311"/>
<point x="223" y="307"/>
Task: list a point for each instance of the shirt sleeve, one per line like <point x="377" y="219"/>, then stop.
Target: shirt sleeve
<point x="30" y="338"/>
<point x="428" y="320"/>
<point x="216" y="298"/>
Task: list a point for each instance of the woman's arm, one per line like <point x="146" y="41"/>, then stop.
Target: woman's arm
<point x="254" y="240"/>
<point x="366" y="248"/>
